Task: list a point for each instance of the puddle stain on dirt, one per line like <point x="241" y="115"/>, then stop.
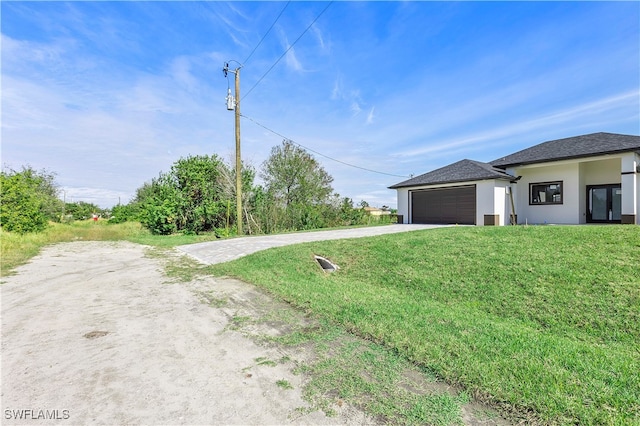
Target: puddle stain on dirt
<point x="95" y="334"/>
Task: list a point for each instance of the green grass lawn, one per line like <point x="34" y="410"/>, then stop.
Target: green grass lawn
<point x="541" y="321"/>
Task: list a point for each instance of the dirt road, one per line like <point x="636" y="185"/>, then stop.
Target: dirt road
<point x="95" y="333"/>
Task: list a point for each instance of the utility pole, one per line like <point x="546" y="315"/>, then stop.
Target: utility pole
<point x="64" y="205"/>
<point x="231" y="105"/>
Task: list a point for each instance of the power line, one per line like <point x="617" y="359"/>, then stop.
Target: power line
<point x="265" y="34"/>
<point x="319" y="153"/>
<point x="287" y="51"/>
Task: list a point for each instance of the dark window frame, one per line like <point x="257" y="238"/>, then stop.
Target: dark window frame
<point x="549" y="195"/>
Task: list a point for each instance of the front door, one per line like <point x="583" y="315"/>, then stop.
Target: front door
<point x="604" y="203"/>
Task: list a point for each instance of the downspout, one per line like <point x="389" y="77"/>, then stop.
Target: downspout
<point x="513" y="217"/>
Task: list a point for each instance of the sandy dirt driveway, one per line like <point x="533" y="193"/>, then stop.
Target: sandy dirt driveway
<point x="95" y="333"/>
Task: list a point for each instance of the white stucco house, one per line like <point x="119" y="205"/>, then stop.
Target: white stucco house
<point x="591" y="178"/>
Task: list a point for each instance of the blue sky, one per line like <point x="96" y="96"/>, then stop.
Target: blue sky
<point x="109" y="94"/>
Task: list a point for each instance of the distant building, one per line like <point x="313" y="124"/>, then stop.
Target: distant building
<point x="374" y="211"/>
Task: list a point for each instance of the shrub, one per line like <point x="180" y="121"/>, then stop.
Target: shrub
<point x="28" y="200"/>
<point x="125" y="213"/>
<point x="193" y="197"/>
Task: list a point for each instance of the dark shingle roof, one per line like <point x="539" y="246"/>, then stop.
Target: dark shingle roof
<point x="575" y="147"/>
<point x="462" y="171"/>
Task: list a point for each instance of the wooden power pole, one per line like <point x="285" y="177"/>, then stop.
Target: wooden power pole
<point x="238" y="158"/>
<point x="234" y="104"/>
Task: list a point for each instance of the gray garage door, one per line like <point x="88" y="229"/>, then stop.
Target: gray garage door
<point x="444" y="205"/>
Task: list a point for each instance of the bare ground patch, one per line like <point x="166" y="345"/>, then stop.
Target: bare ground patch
<point x="96" y="333"/>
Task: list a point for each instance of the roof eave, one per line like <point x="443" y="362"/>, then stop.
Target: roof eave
<point x="399" y="186"/>
<point x="551" y="160"/>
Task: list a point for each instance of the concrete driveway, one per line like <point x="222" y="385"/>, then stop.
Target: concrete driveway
<point x="225" y="250"/>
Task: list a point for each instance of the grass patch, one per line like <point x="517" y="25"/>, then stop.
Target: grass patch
<point x="541" y="321"/>
<point x="239" y="321"/>
<point x="284" y="384"/>
<point x="178" y="267"/>
<point x="265" y="361"/>
<point x="341" y="368"/>
<point x="17" y="249"/>
<point x="379" y="381"/>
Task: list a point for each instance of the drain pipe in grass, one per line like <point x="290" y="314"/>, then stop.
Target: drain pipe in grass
<point x="326" y="264"/>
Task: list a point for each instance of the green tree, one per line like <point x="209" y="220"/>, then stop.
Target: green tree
<point x="350" y="215"/>
<point x="264" y="215"/>
<point x="193" y="197"/>
<point x="198" y="182"/>
<point x="125" y="212"/>
<point x="159" y="203"/>
<point x="82" y="210"/>
<point x="297" y="189"/>
<point x="28" y="200"/>
<point x="293" y="176"/>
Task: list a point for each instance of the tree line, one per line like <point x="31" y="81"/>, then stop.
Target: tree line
<point x="29" y="201"/>
<point x="198" y="195"/>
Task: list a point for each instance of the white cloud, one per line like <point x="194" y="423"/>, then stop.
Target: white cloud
<point x="627" y="100"/>
<point x="18" y="52"/>
<point x="580" y="113"/>
<point x="116" y="131"/>
<point x="99" y="196"/>
<point x="319" y="37"/>
<point x="371" y="115"/>
<point x="292" y="60"/>
<point x="290" y="56"/>
<point x="377" y="198"/>
<point x="181" y="73"/>
<point x="336" y="93"/>
<point x="231" y="24"/>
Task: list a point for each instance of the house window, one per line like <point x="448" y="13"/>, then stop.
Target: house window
<point x="545" y="193"/>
